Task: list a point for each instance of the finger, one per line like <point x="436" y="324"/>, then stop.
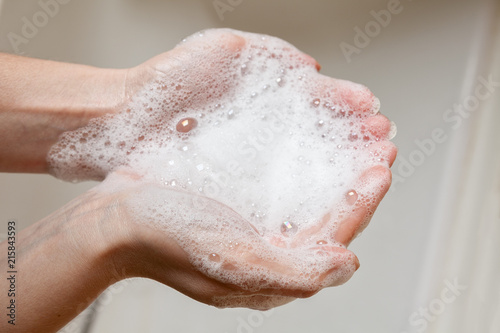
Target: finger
<point x="302" y="273"/>
<point x="344" y="98"/>
<point x="378" y="125"/>
<point x="370" y="190"/>
<point x="231" y="252"/>
<point x="308" y="60"/>
<point x="203" y="47"/>
<point x="357" y="97"/>
<point x="384" y="151"/>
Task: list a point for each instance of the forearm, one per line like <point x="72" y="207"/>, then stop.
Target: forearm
<point x="62" y="262"/>
<point x="40" y="99"/>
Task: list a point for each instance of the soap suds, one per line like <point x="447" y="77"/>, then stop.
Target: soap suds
<point x="265" y="140"/>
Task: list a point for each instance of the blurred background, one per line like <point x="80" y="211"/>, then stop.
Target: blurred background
<point x="430" y="259"/>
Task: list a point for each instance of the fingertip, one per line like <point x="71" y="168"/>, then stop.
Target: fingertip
<point x="317" y="65"/>
<point x="385" y="151"/>
<point x="356" y="261"/>
<point x="310" y="61"/>
<point x="370" y="188"/>
<point x="377" y="181"/>
<point x="378" y="125"/>
<point x="391" y="152"/>
<point x="342" y="269"/>
<point x="212" y="39"/>
<point x="394" y="155"/>
<point x="379" y="173"/>
<point x="235" y="42"/>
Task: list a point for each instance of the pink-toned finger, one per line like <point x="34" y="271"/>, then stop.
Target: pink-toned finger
<point x="378" y="125"/>
<point x="349" y="264"/>
<point x="346" y="96"/>
<point x="302" y="273"/>
<point x="384" y="151"/>
<point x="310" y="61"/>
<point x="357" y="96"/>
<point x="370" y="190"/>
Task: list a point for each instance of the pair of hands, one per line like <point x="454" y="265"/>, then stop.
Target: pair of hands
<point x="99" y="238"/>
<point x="167" y="259"/>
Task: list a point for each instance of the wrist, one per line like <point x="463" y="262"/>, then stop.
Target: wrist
<point x="71" y="255"/>
<point x="117" y="245"/>
<point x="41" y="99"/>
<point x="101" y="234"/>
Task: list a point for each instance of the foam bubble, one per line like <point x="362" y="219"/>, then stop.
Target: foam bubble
<point x="257" y="135"/>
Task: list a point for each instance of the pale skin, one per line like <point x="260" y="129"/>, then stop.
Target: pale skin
<point x="93" y="241"/>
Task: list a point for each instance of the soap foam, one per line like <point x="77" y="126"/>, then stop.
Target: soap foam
<point x="265" y="139"/>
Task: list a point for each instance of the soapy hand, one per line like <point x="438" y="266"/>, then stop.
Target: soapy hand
<point x="244" y="269"/>
<point x="191" y="113"/>
<point x="233" y="172"/>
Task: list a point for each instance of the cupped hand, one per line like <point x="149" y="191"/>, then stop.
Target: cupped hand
<point x="207" y="246"/>
<point x="229" y="264"/>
